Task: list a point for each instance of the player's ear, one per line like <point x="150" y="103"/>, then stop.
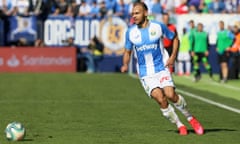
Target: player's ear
<point x="145" y="13"/>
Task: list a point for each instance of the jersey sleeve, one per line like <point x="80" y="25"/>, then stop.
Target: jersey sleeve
<point x="128" y="43"/>
<point x="166" y="32"/>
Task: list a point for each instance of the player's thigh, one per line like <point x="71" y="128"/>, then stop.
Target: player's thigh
<point x="169" y="92"/>
<point x="158" y="95"/>
<point x="149" y="84"/>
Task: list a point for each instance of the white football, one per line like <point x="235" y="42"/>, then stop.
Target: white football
<point x="15" y="131"/>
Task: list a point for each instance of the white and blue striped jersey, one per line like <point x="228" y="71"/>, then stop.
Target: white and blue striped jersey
<point x="148" y="47"/>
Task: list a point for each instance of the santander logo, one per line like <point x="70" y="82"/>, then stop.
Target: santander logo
<point x="13" y="61"/>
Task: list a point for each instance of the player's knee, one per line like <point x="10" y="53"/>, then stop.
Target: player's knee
<point x="171" y="95"/>
<point x="158" y="95"/>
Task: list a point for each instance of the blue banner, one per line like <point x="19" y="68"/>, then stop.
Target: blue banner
<point x="22" y="27"/>
<point x="57" y="29"/>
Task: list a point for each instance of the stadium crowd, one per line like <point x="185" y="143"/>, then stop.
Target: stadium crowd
<point x="101" y="8"/>
<point x="121" y="8"/>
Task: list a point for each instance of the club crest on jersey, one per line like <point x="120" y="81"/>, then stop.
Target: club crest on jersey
<point x="153" y="33"/>
<point x="137" y="36"/>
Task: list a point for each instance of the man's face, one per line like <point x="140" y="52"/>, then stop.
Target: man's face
<point x="138" y="14"/>
<point x="165" y="19"/>
<point x="221" y="25"/>
<point x="200" y="27"/>
<point x="191" y="23"/>
<point x="235" y="29"/>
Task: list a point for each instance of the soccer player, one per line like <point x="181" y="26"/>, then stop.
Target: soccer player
<point x="184" y="55"/>
<point x="200" y="52"/>
<point x="145" y="38"/>
<point x="192" y="30"/>
<point x="224" y="41"/>
<point x="168" y="43"/>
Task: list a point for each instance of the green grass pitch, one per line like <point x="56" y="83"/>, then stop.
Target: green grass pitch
<point x="75" y="108"/>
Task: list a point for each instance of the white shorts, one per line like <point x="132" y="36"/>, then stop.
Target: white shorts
<point x="184" y="56"/>
<point x="158" y="80"/>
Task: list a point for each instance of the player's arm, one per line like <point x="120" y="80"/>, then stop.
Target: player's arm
<point x="126" y="60"/>
<point x="175" y="48"/>
<point x="173" y="56"/>
<point x="127" y="53"/>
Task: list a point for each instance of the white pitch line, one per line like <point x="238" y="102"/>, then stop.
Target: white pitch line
<point x="209" y="101"/>
<point x="223" y="106"/>
<point x="219" y="84"/>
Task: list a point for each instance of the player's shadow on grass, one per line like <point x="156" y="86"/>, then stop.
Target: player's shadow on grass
<point x="215" y="130"/>
<point x="209" y="130"/>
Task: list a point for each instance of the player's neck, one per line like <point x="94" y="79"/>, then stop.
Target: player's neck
<point x="144" y="24"/>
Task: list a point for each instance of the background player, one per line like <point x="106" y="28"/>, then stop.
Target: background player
<point x="224" y="41"/>
<point x="168" y="43"/>
<point x="184" y="56"/>
<point x="145" y="37"/>
<point x="200" y="52"/>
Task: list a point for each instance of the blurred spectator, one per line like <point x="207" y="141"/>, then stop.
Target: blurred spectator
<point x="216" y="6"/>
<point x="200" y="52"/>
<point x="5" y="8"/>
<point x="195" y="4"/>
<point x="36" y="7"/>
<point x="84" y="9"/>
<point x="224" y="41"/>
<point x="235" y="54"/>
<point x="238" y="9"/>
<point x="149" y="5"/>
<point x="23" y="42"/>
<point x="61" y="7"/>
<point x="102" y="10"/>
<point x="111" y="6"/>
<point x="203" y="7"/>
<point x="157" y="8"/>
<point x="122" y="10"/>
<point x="94" y="10"/>
<point x="21" y="7"/>
<point x="38" y="43"/>
<point x="231" y="5"/>
<point x="192" y="9"/>
<point x="75" y="4"/>
<point x="96" y="47"/>
<point x="184" y="55"/>
<point x="182" y="8"/>
<point x="206" y="1"/>
<point x="168" y="5"/>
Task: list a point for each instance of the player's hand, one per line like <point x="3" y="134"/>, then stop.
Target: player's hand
<point x="124" y="68"/>
<point x="170" y="62"/>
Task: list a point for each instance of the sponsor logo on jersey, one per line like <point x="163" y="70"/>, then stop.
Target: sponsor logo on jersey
<point x="147" y="47"/>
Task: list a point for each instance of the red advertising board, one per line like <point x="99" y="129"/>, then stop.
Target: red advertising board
<point x="29" y="59"/>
